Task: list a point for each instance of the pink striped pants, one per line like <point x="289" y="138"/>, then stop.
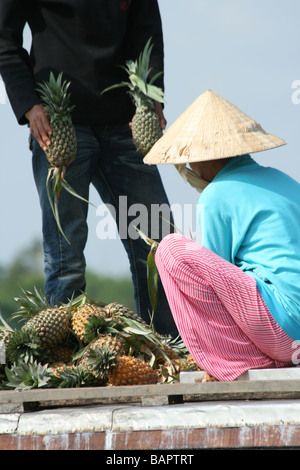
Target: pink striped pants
<point x="219" y="312"/>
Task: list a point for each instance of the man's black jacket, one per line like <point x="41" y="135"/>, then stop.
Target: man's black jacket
<point x="86" y="39"/>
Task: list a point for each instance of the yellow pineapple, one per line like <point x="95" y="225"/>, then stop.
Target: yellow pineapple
<point x="80" y="317"/>
<point x="130" y="370"/>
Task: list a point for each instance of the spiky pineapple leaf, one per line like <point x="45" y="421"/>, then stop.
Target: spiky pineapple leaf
<point x="70" y="377"/>
<point x="177" y="345"/>
<point x="29" y="305"/>
<point x="25" y="346"/>
<point x="96" y="326"/>
<point x="24" y="376"/>
<point x="5" y="326"/>
<point x="102" y="362"/>
<point x="141" y="90"/>
<point x="55" y="97"/>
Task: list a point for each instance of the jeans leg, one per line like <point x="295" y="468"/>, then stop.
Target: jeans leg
<point x="64" y="263"/>
<point x="136" y="192"/>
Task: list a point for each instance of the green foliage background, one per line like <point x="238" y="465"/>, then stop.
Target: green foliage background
<point x="26" y="271"/>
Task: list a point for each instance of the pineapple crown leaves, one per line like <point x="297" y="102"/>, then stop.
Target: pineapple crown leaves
<point x="96" y="326"/>
<point x="145" y="340"/>
<point x="56" y="98"/>
<point x="177" y="345"/>
<point x="29" y="305"/>
<point x="102" y="361"/>
<point x="5" y="326"/>
<point x="25" y="376"/>
<point x="25" y="346"/>
<point x="82" y="299"/>
<point x="141" y="337"/>
<point x="141" y="89"/>
<point x="70" y="377"/>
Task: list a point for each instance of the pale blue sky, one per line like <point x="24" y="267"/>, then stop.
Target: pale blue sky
<point x="245" y="50"/>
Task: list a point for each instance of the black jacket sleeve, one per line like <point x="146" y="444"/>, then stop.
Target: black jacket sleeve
<point x="145" y="22"/>
<point x="15" y="67"/>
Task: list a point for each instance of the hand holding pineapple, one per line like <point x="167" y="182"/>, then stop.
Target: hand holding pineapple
<point x="54" y="118"/>
<point x="39" y="125"/>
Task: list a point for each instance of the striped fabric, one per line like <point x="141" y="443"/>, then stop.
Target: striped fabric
<point x="219" y="311"/>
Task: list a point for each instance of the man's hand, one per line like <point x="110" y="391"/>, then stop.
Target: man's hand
<point x="39" y="125"/>
<point x="159" y="111"/>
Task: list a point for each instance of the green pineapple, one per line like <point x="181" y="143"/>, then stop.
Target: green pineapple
<point x="56" y="101"/>
<point x="146" y="128"/>
<point x="51" y="325"/>
<point x="63" y="147"/>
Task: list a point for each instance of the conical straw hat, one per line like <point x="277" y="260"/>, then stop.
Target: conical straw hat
<point x="211" y="128"/>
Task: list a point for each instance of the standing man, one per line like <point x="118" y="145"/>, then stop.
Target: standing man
<point x="87" y="40"/>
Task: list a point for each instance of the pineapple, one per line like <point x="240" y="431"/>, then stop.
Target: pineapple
<point x="116" y="310"/>
<point x="98" y="361"/>
<point x="63" y="147"/>
<point x="61" y="353"/>
<point x="188" y="363"/>
<point x="81" y="315"/>
<point x="56" y="100"/>
<point x="109" y="347"/>
<point x="112" y="343"/>
<point x="145" y="127"/>
<point x="109" y="368"/>
<point x="5" y="336"/>
<point x="51" y="325"/>
<point x="132" y="371"/>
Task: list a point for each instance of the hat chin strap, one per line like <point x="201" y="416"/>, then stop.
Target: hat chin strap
<point x="191" y="177"/>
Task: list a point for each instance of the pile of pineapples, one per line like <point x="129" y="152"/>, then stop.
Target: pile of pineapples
<point x="84" y="344"/>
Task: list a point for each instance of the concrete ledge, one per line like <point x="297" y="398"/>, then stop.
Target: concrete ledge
<point x="186" y="426"/>
<point x="285" y="373"/>
<point x="261" y="410"/>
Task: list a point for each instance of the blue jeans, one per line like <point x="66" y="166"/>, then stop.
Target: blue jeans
<point x="106" y="158"/>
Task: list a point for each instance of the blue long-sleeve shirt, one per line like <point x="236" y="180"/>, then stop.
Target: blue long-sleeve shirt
<point x="250" y="216"/>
